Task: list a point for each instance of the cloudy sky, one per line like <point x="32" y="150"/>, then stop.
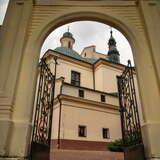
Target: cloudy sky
<point x="86" y="33"/>
<point x="3" y="7"/>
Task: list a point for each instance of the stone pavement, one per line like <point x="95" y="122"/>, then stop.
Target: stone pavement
<point x="86" y="155"/>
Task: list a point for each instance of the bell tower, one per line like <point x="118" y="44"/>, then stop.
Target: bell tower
<point x="113" y="54"/>
<point x="67" y="40"/>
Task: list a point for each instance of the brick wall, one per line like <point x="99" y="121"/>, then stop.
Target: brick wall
<point x="79" y="145"/>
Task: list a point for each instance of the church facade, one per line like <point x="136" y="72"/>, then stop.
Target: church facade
<point x="86" y="106"/>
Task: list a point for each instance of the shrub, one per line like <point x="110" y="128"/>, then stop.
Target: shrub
<point x="116" y="146"/>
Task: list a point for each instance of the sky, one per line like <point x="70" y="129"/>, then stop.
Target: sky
<point x="86" y="33"/>
<point x="3" y="7"/>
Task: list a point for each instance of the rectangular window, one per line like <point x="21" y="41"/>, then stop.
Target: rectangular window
<point x="75" y="78"/>
<point x="82" y="131"/>
<point x="105" y="133"/>
<point x="81" y="93"/>
<point x="103" y="98"/>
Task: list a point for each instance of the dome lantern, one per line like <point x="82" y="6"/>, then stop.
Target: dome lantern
<point x="67" y="40"/>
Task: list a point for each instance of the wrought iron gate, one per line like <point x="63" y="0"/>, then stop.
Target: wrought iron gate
<point x="130" y="123"/>
<point x="40" y="144"/>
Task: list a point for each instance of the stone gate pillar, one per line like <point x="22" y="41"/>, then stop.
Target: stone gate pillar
<point x="151" y="129"/>
<point x="12" y="43"/>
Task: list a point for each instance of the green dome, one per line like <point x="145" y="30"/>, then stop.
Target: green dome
<point x="73" y="54"/>
<point x="68" y="52"/>
<point x="68" y="34"/>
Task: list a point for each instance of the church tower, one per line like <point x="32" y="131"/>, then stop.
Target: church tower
<point x="113" y="54"/>
<point x="67" y="40"/>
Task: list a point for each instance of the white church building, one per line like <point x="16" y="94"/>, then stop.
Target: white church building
<point x="86" y="105"/>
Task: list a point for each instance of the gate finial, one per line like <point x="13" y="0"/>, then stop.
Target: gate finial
<point x="129" y="62"/>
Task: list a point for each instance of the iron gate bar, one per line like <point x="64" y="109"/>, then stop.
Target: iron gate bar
<point x="130" y="122"/>
<point x="41" y="135"/>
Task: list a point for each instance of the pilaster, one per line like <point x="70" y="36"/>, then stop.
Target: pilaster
<point x="150" y="11"/>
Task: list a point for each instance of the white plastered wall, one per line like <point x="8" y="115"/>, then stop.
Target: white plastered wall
<point x="94" y="118"/>
<point x="105" y="78"/>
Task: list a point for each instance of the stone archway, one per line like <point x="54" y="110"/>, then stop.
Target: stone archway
<point x="124" y="16"/>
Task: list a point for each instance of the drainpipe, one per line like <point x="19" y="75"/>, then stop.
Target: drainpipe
<point x="60" y="113"/>
<point x="51" y="115"/>
<point x="55" y="66"/>
<point x="93" y="70"/>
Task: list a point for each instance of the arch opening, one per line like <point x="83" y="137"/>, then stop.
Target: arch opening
<point x="90" y="33"/>
<point x="99" y="88"/>
<point x="89" y="16"/>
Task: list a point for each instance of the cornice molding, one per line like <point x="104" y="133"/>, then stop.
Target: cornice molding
<point x="102" y="62"/>
<point x="89" y="89"/>
<point x="87" y="2"/>
<point x="51" y="53"/>
<point x="19" y="2"/>
<point x="85" y="101"/>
